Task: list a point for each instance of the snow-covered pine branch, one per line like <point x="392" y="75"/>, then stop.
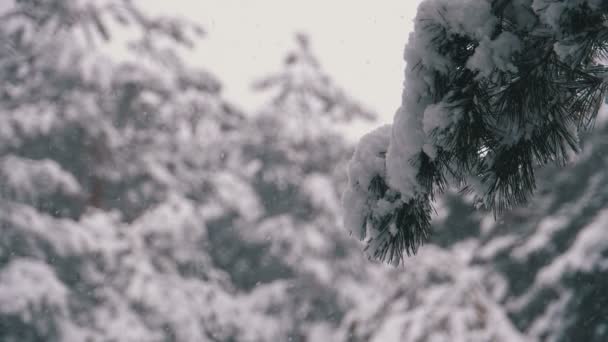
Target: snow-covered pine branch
<point x="493" y="90"/>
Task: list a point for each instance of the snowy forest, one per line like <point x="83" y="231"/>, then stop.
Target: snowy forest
<point x="138" y="203"/>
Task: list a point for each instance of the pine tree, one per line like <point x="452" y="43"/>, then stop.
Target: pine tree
<point x="488" y="99"/>
<point x="441" y="297"/>
<point x="543" y="262"/>
<point x="110" y="170"/>
<point x="552" y="254"/>
<point x="291" y="257"/>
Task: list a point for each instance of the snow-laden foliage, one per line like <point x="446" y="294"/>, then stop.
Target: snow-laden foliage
<point x="110" y="171"/>
<point x="454" y="305"/>
<point x="552" y="253"/>
<point x="493" y="89"/>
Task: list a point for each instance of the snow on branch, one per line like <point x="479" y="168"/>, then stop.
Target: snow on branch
<point x="493" y="90"/>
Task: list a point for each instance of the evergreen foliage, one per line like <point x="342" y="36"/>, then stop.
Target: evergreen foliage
<point x="111" y="168"/>
<point x="552" y="253"/>
<point x="486" y="103"/>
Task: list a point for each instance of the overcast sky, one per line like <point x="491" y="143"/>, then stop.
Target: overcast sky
<point x="359" y="43"/>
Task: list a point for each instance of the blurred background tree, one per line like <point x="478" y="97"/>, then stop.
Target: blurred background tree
<point x="110" y="169"/>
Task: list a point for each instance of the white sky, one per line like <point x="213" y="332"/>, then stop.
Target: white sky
<point x="359" y="43"/>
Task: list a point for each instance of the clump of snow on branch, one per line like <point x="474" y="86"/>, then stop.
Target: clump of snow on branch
<point x="495" y="54"/>
<point x="368" y="162"/>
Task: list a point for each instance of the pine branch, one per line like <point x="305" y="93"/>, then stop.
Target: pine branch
<point x="400" y="231"/>
<point x="497" y="125"/>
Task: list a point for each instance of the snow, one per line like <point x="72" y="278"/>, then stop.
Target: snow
<point x="550" y="225"/>
<point x="29" y="287"/>
<point x="452" y="307"/>
<point x="585" y="254"/>
<point x="367" y="162"/>
<point x="29" y="121"/>
<point x="496" y="246"/>
<point x="237" y="194"/>
<point x="418" y="116"/>
<point x="550" y="12"/>
<point x="320" y="190"/>
<point x="407" y="139"/>
<point x="438" y="117"/>
<point x="495" y="54"/>
<point x="551" y="321"/>
<point x="29" y="179"/>
<point x="565" y="50"/>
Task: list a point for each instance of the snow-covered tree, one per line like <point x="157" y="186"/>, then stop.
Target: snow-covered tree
<point x="111" y="166"/>
<point x="552" y="254"/>
<point x="493" y="90"/>
<point x="440" y="297"/>
<point x="290" y="258"/>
